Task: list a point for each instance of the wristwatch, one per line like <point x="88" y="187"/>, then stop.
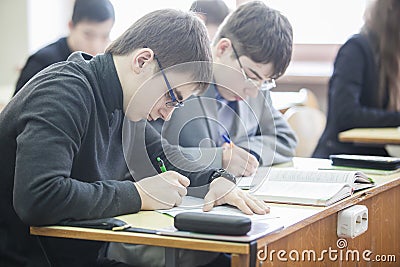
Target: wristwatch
<point x="223" y="173"/>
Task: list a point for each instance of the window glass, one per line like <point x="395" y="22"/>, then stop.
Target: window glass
<point x="127" y="12"/>
<point x="322" y="21"/>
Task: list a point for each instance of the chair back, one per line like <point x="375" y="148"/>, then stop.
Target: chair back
<point x="308" y="123"/>
<point x="309" y="98"/>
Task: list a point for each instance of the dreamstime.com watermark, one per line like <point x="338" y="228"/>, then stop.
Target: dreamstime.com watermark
<point x="331" y="254"/>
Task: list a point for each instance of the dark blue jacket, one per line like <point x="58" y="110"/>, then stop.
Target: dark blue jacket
<point x="353" y="100"/>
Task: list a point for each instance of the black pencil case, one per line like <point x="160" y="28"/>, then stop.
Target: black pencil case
<point x="212" y="223"/>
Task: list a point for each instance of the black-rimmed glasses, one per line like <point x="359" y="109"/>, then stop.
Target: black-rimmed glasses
<point x="265" y="85"/>
<point x="174" y="103"/>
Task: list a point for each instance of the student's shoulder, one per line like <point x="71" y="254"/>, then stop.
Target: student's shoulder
<point x="64" y="79"/>
<point x="54" y="52"/>
<point x="356" y="49"/>
<point x="357" y="41"/>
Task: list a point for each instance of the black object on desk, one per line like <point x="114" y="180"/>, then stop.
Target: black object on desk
<point x="108" y="224"/>
<point x="212" y="223"/>
<point x="367" y="162"/>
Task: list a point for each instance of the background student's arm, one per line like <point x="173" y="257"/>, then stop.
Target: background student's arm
<point x="274" y="141"/>
<point x="208" y="156"/>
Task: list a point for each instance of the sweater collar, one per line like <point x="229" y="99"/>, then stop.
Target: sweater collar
<point x="108" y="81"/>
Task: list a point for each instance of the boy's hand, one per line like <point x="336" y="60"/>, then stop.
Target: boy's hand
<point x="162" y="191"/>
<point x="223" y="191"/>
<point x="238" y="161"/>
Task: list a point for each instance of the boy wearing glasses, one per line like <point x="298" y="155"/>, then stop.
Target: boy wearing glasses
<point x="233" y="124"/>
<point x="71" y="141"/>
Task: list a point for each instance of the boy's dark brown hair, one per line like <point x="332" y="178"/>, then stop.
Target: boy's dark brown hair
<point x="176" y="37"/>
<point x="93" y="11"/>
<point x="214" y="11"/>
<point x="260" y="33"/>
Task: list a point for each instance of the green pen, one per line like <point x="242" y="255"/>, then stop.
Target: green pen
<point x="161" y="164"/>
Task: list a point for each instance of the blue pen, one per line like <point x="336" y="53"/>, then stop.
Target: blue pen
<point x="227" y="139"/>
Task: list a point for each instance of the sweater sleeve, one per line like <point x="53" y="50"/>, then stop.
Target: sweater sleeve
<point x="52" y="126"/>
<point x="274" y="141"/>
<point x="144" y="144"/>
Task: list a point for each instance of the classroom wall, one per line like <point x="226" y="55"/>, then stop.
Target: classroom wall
<point x="24" y="29"/>
<point x="14" y="42"/>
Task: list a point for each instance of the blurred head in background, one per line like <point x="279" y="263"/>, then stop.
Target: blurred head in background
<point x="90" y="26"/>
<point x="212" y="12"/>
<point x="89" y="31"/>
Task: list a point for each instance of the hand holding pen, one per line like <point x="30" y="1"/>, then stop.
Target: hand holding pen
<point x="236" y="160"/>
<point x="227" y="140"/>
<point x="162" y="191"/>
<point x="161" y="165"/>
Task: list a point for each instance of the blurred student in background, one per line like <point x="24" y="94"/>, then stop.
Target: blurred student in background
<point x="212" y="12"/>
<point x="89" y="32"/>
<point x="364" y="90"/>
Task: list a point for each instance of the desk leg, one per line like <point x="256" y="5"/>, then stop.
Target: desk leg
<point x="245" y="260"/>
<point x="171" y="257"/>
<point x="240" y="260"/>
<point x="253" y="254"/>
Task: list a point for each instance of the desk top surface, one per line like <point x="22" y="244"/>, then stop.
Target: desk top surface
<point x="298" y="216"/>
<point x="371" y="135"/>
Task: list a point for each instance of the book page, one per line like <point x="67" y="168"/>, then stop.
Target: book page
<point x="258" y="178"/>
<point x="302" y="192"/>
<point x="316" y="176"/>
<point x="304" y="175"/>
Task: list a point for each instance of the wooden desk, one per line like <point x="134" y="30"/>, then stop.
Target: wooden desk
<point x="379" y="136"/>
<point x="315" y="233"/>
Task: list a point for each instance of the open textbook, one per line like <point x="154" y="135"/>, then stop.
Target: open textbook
<point x="309" y="187"/>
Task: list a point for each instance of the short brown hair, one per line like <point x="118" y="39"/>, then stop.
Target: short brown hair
<point x="214" y="11"/>
<point x="175" y="36"/>
<point x="93" y="11"/>
<point x="260" y="33"/>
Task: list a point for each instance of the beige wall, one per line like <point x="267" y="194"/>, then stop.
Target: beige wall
<point x="14" y="42"/>
<point x="23" y="31"/>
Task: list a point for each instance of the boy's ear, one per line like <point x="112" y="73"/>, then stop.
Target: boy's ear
<point x="142" y="59"/>
<point x="202" y="17"/>
<point x="222" y="47"/>
<point x="70" y="25"/>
